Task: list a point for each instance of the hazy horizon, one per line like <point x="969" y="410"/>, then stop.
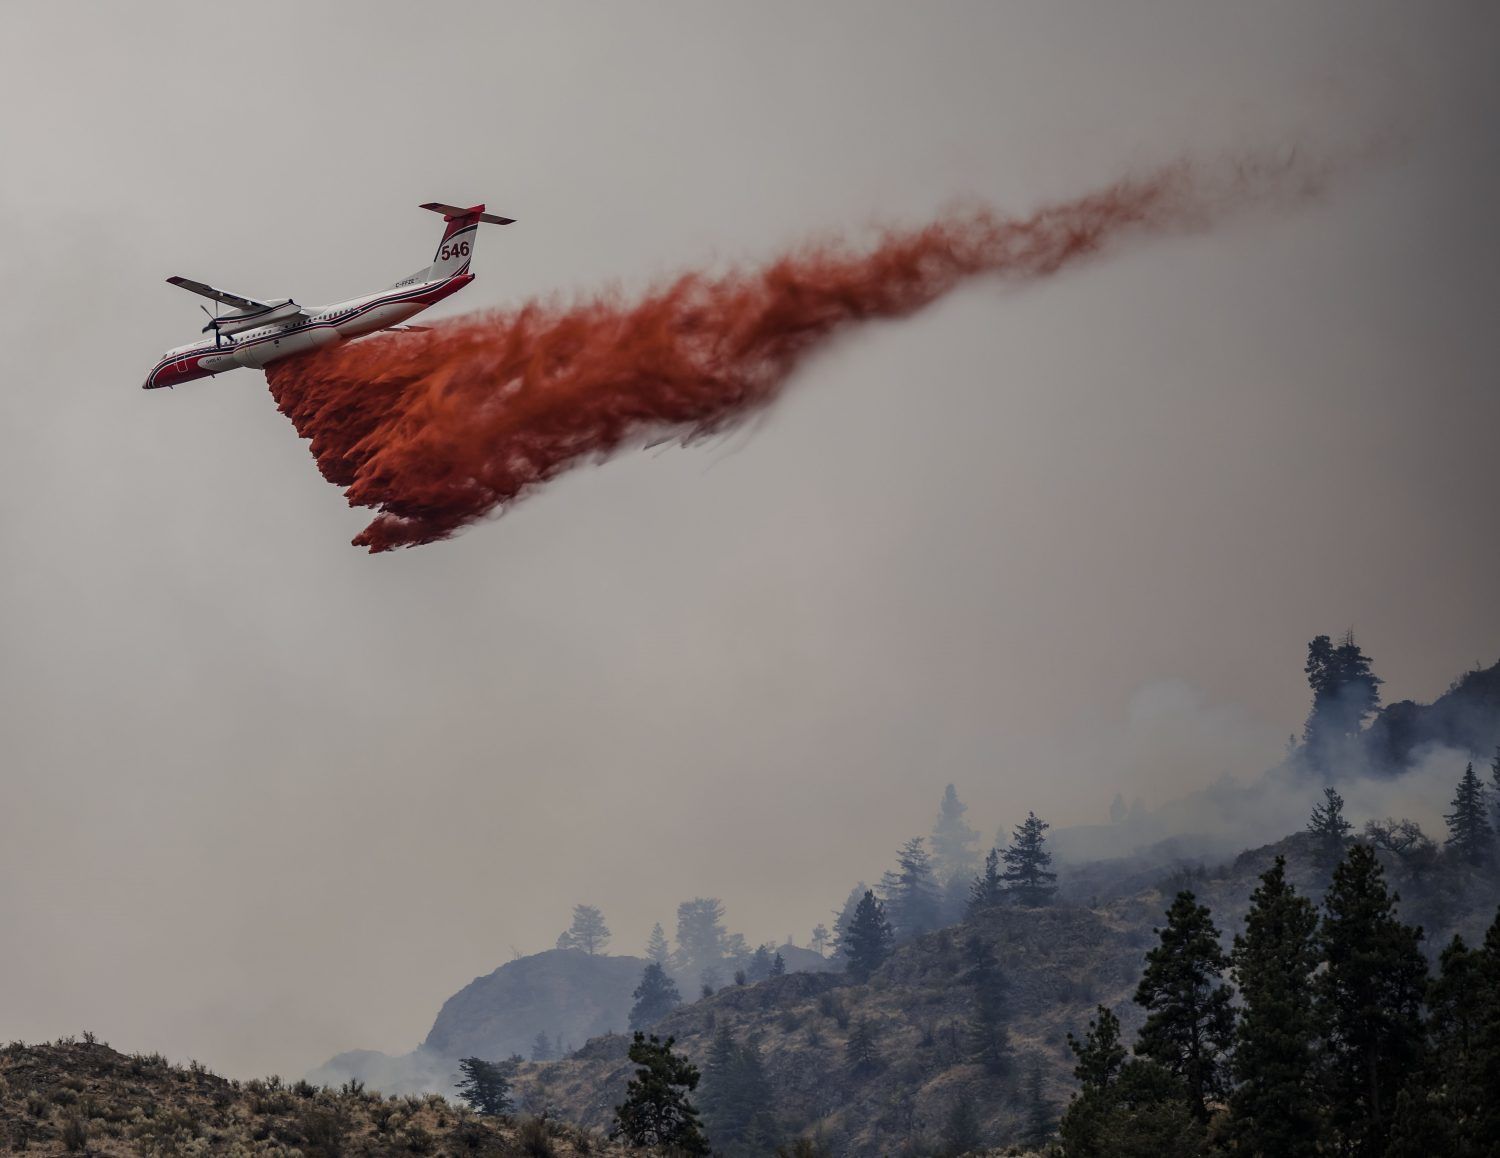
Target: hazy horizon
<point x="269" y="798"/>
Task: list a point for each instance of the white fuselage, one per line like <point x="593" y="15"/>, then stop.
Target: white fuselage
<point x="310" y="330"/>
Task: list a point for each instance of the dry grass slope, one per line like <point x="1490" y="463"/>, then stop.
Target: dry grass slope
<point x="84" y="1097"/>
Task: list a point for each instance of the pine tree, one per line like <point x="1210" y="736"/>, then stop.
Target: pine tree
<point x="778" y="965"/>
<point x="656" y="947"/>
<point x="987" y="889"/>
<point x="1440" y="1111"/>
<point x="1275" y="1109"/>
<point x="738" y="1107"/>
<point x="484" y="1086"/>
<point x="843" y="917"/>
<point x="1486" y="1065"/>
<point x="953" y="853"/>
<point x="1126" y="1109"/>
<point x="655" y="997"/>
<point x="868" y="941"/>
<point x="987" y="1030"/>
<point x="1027" y="876"/>
<point x="701" y="939"/>
<point x="1470" y="836"/>
<point x="1190" y="1022"/>
<point x="542" y="1048"/>
<point x="910" y="893"/>
<point x="760" y="964"/>
<point x="820" y="939"/>
<point x="1369" y="1002"/>
<point x="656" y="1112"/>
<point x="860" y="1050"/>
<point x="962" y="1131"/>
<point x="1145" y="1113"/>
<point x="587" y="932"/>
<point x="1040" y="1118"/>
<point x="1100" y="1054"/>
<point x="1495" y="776"/>
<point x="1327" y="823"/>
<point x="1345" y="691"/>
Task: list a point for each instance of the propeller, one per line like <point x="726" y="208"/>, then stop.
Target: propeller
<point x="213" y="323"/>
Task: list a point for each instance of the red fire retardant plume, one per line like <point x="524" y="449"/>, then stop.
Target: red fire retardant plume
<point x="435" y="430"/>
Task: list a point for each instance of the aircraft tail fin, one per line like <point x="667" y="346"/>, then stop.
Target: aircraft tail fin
<point x="456" y="249"/>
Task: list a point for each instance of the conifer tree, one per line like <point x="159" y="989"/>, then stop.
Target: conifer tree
<point x="860" y="1050"/>
<point x="701" y="939"/>
<point x="1369" y="1002"/>
<point x="1495" y="787"/>
<point x="962" y="1132"/>
<point x="1275" y="1108"/>
<point x="844" y="916"/>
<point x="1027" y="875"/>
<point x="760" y="964"/>
<point x="1100" y="1054"/>
<point x="1486" y="1065"/>
<point x="820" y="939"/>
<point x="542" y="1048"/>
<point x="778" y="965"/>
<point x="1327" y="823"/>
<point x="737" y="1102"/>
<point x="987" y="889"/>
<point x="1345" y="691"/>
<point x="1440" y="1111"/>
<point x="987" y="1031"/>
<point x="656" y="948"/>
<point x="1126" y="1109"/>
<point x="1040" y="1118"/>
<point x="1470" y="836"/>
<point x="484" y="1086"/>
<point x="587" y="932"/>
<point x="868" y="941"/>
<point x="953" y="853"/>
<point x="656" y="1112"/>
<point x="910" y="892"/>
<point x="1190" y="1022"/>
<point x="655" y="997"/>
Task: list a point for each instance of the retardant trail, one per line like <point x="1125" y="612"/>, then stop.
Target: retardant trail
<point x="435" y="430"/>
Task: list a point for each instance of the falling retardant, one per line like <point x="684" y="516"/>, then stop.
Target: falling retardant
<point x="435" y="430"/>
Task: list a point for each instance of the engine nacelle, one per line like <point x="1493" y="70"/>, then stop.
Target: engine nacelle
<point x="249" y="319"/>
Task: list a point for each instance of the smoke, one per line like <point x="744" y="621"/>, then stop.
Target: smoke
<point x="433" y="431"/>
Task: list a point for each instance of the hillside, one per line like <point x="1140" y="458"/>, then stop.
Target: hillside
<point x="1058" y="964"/>
<point x="1466" y="717"/>
<point x="566" y="994"/>
<point x="86" y="1097"/>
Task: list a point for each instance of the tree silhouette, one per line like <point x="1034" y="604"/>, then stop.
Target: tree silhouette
<point x="1369" y="1002"/>
<point x="1027" y="876"/>
<point x="656" y="947"/>
<point x="656" y="1111"/>
<point x="1345" y="691"/>
<point x="1276" y="1108"/>
<point x="987" y="889"/>
<point x="1470" y="836"/>
<point x="868" y="942"/>
<point x="587" y="932"/>
<point x="484" y="1086"/>
<point x="655" y="997"/>
<point x="1190" y="1022"/>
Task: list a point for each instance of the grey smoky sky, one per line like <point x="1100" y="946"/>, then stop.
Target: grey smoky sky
<point x="266" y="797"/>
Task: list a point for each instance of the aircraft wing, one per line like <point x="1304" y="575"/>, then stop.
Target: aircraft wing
<point x="236" y="300"/>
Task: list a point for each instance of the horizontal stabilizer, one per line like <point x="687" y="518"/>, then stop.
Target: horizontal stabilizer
<point x="451" y="211"/>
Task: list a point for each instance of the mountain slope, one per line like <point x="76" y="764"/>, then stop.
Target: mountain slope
<point x="85" y="1096"/>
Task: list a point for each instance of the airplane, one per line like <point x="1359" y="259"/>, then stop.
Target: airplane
<point x="257" y="333"/>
